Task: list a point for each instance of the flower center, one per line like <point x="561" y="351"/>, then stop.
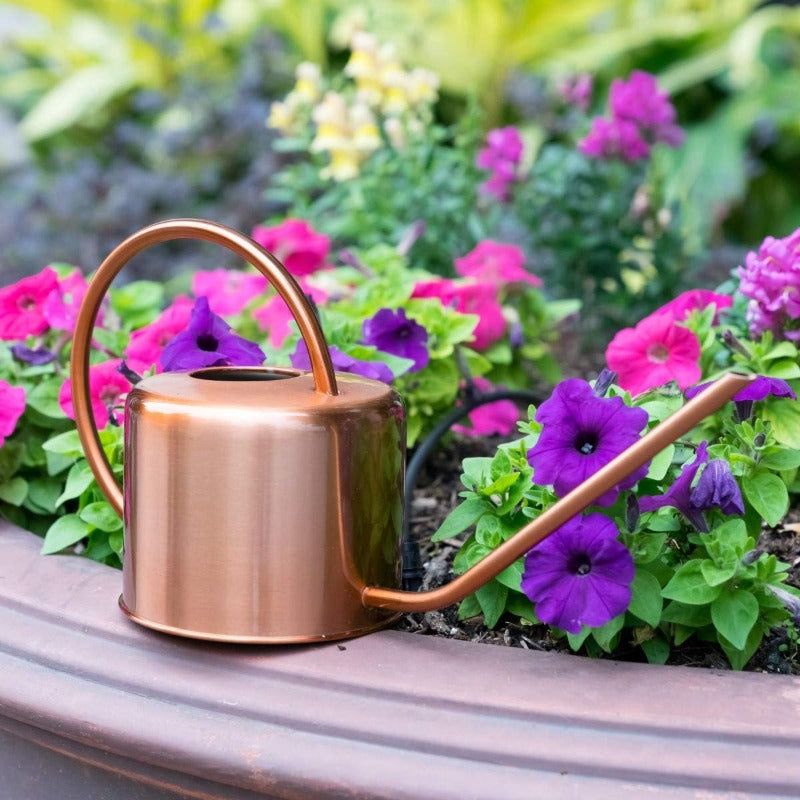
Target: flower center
<point x="403" y="333"/>
<point x="109" y="395"/>
<point x="579" y="564"/>
<point x="207" y="342"/>
<point x="658" y="353"/>
<point x="586" y="442"/>
<point x="26" y="302"/>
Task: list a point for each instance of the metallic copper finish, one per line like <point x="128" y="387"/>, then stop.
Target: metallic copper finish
<point x="264" y="262"/>
<point x="678" y="424"/>
<point x="258" y="502"/>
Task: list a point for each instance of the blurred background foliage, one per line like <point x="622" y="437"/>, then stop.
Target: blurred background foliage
<point x="114" y="113"/>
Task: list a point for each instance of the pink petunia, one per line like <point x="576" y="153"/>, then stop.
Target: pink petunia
<point x="493" y="419"/>
<point x="275" y="315"/>
<point x="614" y="138"/>
<point x="22" y="305"/>
<point x="640" y="101"/>
<point x="228" y="292"/>
<point x="470" y="297"/>
<point x="497" y="263"/>
<point x="656" y="351"/>
<point x="62" y="305"/>
<point x="146" y="344"/>
<point x="295" y="244"/>
<point x="107" y="390"/>
<point x="12" y="404"/>
<point x="695" y="300"/>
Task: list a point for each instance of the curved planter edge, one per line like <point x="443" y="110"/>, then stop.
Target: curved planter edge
<point x="106" y="709"/>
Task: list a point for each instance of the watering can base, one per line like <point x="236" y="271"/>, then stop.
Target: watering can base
<point x="246" y="639"/>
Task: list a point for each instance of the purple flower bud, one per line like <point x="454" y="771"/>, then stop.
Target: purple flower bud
<point x="632" y="513"/>
<point x="37" y="357"/>
<point x="791" y="601"/>
<point x="604" y="381"/>
<point x="751" y="556"/>
<point x="717" y="488"/>
<point x="128" y="373"/>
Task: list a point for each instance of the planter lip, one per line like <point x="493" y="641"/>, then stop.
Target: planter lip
<point x="350" y="719"/>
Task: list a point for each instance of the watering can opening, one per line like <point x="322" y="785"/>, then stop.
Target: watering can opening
<point x="242" y="374"/>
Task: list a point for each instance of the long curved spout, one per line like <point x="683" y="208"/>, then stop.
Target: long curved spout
<point x="675" y="426"/>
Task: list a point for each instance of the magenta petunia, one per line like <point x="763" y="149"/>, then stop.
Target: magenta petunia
<point x="577" y="90"/>
<point x="501" y="157"/>
<point x="208" y="341"/>
<point x="22" y="305"/>
<point x="656" y="351"/>
<point x="639" y="101"/>
<point x="275" y="316"/>
<point x="394" y="333"/>
<point x="470" y="297"/>
<point x="300" y="248"/>
<point x="497" y="263"/>
<point x="146" y="344"/>
<point x="12" y="405"/>
<point x="695" y="300"/>
<point x="62" y="305"/>
<point x="492" y="419"/>
<point x="579" y="575"/>
<point x="581" y="433"/>
<point x="771" y="279"/>
<point x="342" y="362"/>
<point x="228" y="292"/>
<point x="614" y="138"/>
<point x="107" y="390"/>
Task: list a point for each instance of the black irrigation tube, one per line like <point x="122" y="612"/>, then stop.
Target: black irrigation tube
<point x="412" y="563"/>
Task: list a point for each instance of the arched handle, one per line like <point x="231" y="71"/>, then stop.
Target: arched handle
<point x="243" y="246"/>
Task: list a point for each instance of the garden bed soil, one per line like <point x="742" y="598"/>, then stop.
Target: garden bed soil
<point x="436" y="494"/>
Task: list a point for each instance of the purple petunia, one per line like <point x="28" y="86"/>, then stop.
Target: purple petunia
<point x="717" y="488"/>
<point x="37" y="357"/>
<point x="208" y="342"/>
<point x="580" y="434"/>
<point x="392" y="332"/>
<point x="761" y="388"/>
<point x="376" y="370"/>
<point x="679" y="495"/>
<point x="579" y="575"/>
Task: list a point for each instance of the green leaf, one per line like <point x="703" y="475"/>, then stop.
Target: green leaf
<point x="511" y="576"/>
<point x="461" y="518"/>
<point x="492" y="599"/>
<point x="656" y="650"/>
<point x="64" y="532"/>
<point x="646" y="600"/>
<point x="605" y="634"/>
<point x="734" y="613"/>
<point x="65" y="444"/>
<point x="520" y="606"/>
<point x="44" y="399"/>
<point x="784" y="415"/>
<point x="767" y="494"/>
<point x="689" y="586"/>
<point x="781" y="459"/>
<point x="79" y="479"/>
<point x="14" y="491"/>
<point x="646" y="547"/>
<point x="77" y="97"/>
<point x="43" y="495"/>
<point x="101" y="515"/>
<point x="715" y="575"/>
<point x="740" y="656"/>
<point x="576" y="640"/>
<point x="661" y="463"/>
<point x="690" y="616"/>
<point x="11" y="454"/>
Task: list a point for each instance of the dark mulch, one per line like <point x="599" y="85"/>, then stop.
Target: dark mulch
<point x="437" y="494"/>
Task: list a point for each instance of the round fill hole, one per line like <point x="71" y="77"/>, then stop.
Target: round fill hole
<point x="243" y="374"/>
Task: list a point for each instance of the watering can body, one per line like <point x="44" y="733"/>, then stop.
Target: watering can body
<point x="265" y="504"/>
<point x="257" y="509"/>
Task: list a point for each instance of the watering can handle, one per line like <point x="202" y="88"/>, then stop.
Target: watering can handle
<point x="243" y="246"/>
<point x="638" y="454"/>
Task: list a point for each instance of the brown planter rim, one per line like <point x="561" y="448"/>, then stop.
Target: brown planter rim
<point x="389" y="715"/>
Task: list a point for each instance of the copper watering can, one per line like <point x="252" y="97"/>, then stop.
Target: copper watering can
<point x="265" y="504"/>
